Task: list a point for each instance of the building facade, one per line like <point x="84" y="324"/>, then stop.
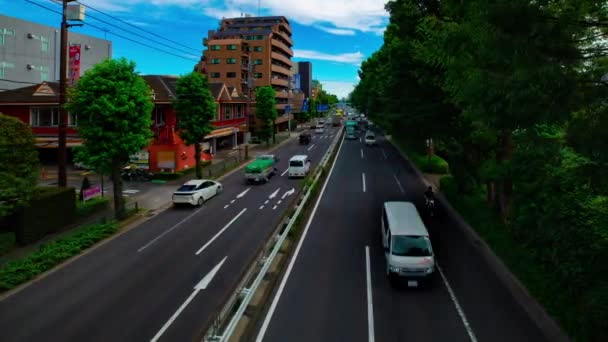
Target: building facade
<point x="250" y="52"/>
<point x="305" y="71"/>
<point x="29" y="52"/>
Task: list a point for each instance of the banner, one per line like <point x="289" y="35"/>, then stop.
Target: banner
<point x="92" y="192"/>
<point x="74" y="65"/>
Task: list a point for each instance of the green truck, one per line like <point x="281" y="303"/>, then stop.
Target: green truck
<point x="351" y="129"/>
<point x="261" y="169"/>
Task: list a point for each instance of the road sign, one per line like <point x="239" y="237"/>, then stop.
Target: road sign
<point x="322" y="108"/>
<point x="287" y="109"/>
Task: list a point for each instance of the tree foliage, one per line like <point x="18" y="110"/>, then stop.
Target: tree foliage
<point x="114" y="107"/>
<point x="513" y="93"/>
<point x="266" y="111"/>
<point x="195" y="108"/>
<point x="19" y="166"/>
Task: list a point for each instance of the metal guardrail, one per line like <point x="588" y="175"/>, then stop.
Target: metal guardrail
<point x="246" y="293"/>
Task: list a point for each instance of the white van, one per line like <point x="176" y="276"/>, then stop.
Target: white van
<point x="299" y="166"/>
<point x="407" y="246"/>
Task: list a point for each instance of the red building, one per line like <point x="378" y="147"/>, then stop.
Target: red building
<point x="38" y="105"/>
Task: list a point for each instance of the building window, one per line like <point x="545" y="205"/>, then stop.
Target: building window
<point x="259" y="38"/>
<point x="231" y="60"/>
<point x="44" y="73"/>
<point x="159" y="117"/>
<point x="231" y="74"/>
<point x="215" y="75"/>
<point x="257" y="62"/>
<point x="44" y="41"/>
<point x="239" y="111"/>
<point x="227" y="112"/>
<point x="231" y="47"/>
<point x="215" y="61"/>
<point x="216" y="47"/>
<point x="257" y="75"/>
<point x="5" y="32"/>
<point x="44" y="116"/>
<point x="72" y="119"/>
<point x="258" y="48"/>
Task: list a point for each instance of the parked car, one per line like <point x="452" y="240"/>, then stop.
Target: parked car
<point x="195" y="192"/>
<point x="305" y="138"/>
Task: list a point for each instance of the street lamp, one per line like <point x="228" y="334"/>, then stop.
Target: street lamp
<point x="77" y="14"/>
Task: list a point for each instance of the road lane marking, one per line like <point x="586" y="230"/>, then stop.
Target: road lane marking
<point x="220" y="232"/>
<point x="288" y="193"/>
<point x="243" y="193"/>
<point x="266" y="202"/>
<point x="361" y="153"/>
<point x="311" y="146"/>
<point x="274" y="194"/>
<point x="363" y="179"/>
<point x="261" y="207"/>
<point x="370" y="303"/>
<point x="169" y="230"/>
<point x="398" y="183"/>
<point x="274" y="208"/>
<point x="232" y="201"/>
<point x="281" y="288"/>
<point x="360" y="139"/>
<point x="384" y="153"/>
<point x="284" y="172"/>
<point x="226" y="206"/>
<point x="279" y="202"/>
<point x="463" y="317"/>
<point x="202" y="285"/>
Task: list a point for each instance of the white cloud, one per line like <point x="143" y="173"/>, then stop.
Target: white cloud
<point x="138" y="23"/>
<point x="338" y="88"/>
<point x="349" y="58"/>
<point x="337" y="31"/>
<point x="221" y="13"/>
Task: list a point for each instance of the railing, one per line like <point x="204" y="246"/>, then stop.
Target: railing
<point x="228" y="317"/>
<point x="282" y="46"/>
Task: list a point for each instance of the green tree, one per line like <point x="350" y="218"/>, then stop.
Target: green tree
<point x="114" y="107"/>
<point x="266" y="111"/>
<point x="19" y="169"/>
<point x="195" y="108"/>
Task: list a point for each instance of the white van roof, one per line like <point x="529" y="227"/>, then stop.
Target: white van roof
<point x="299" y="157"/>
<point x="403" y="218"/>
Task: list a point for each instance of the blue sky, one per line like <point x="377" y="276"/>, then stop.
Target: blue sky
<point x="335" y="35"/>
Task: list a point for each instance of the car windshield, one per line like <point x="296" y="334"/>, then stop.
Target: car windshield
<point x="411" y="246"/>
<point x="296" y="163"/>
<point x="187" y="187"/>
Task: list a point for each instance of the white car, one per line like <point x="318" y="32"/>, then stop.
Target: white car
<point x="370" y="139"/>
<point x="195" y="192"/>
<point x="319" y="130"/>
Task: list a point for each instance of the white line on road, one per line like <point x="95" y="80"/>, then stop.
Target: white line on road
<point x="279" y="202"/>
<point x="361" y="153"/>
<point x="463" y="317"/>
<point x="168" y="230"/>
<point x="398" y="182"/>
<point x="370" y="303"/>
<point x="363" y="179"/>
<point x="243" y="193"/>
<point x="226" y="206"/>
<point x="284" y="172"/>
<point x="274" y="208"/>
<point x="200" y="286"/>
<point x="288" y="193"/>
<point x="384" y="153"/>
<point x="232" y="201"/>
<point x="281" y="288"/>
<point x="274" y="194"/>
<point x="261" y="207"/>
<point x="220" y="232"/>
<point x="311" y="146"/>
<point x="266" y="202"/>
<point x="360" y="139"/>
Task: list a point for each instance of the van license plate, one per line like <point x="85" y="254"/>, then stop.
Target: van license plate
<point x="412" y="283"/>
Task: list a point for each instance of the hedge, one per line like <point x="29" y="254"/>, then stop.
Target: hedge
<point x="16" y="272"/>
<point x="7" y="241"/>
<point x="91" y="206"/>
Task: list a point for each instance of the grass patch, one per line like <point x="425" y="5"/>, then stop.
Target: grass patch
<point x="16" y="272"/>
<point x="7" y="241"/>
<point x="435" y="164"/>
<point x="540" y="282"/>
<point x="84" y="209"/>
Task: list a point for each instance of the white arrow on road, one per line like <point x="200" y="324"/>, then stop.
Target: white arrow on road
<point x="274" y="194"/>
<point x="200" y="286"/>
<point x="243" y="193"/>
<point x="288" y="193"/>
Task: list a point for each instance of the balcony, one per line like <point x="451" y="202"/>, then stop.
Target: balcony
<point x="282" y="46"/>
<point x="282" y="58"/>
<point x="286" y="37"/>
<point x="279" y="82"/>
<point x="281" y="94"/>
<point x="281" y="70"/>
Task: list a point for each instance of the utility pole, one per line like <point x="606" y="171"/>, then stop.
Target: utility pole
<point x="62" y="180"/>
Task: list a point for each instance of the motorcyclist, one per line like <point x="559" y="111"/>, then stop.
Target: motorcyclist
<point x="429" y="195"/>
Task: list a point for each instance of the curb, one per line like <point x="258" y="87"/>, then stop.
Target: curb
<point x="536" y="312"/>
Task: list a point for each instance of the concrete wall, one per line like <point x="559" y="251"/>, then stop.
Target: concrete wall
<point x="23" y="42"/>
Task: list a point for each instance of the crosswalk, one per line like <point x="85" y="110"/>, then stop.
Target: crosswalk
<point x="323" y="136"/>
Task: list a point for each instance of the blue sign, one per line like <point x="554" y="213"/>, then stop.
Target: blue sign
<point x="287" y="109"/>
<point x="322" y="108"/>
<point x="305" y="105"/>
<point x="296" y="79"/>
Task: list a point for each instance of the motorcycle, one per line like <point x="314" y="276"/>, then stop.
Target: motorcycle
<point x="430" y="206"/>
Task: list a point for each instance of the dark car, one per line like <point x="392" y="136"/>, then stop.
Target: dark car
<point x="305" y="138"/>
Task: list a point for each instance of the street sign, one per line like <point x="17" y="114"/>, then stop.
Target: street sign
<point x="287" y="109"/>
<point x="322" y="108"/>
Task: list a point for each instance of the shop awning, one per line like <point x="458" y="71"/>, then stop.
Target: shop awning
<point x="222" y="132"/>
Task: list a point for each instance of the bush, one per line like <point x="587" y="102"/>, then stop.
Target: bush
<point x="436" y="164"/>
<point x="7" y="241"/>
<point x="91" y="206"/>
<point x="16" y="272"/>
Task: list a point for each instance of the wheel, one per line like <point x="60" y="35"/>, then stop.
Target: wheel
<point x="200" y="201"/>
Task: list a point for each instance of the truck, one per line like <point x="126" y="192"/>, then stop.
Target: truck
<point x="261" y="169"/>
<point x="336" y="120"/>
<point x="351" y="129"/>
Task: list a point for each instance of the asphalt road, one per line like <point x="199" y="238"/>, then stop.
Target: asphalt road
<point x="141" y="285"/>
<point x="324" y="296"/>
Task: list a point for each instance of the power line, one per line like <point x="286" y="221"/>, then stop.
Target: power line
<point x="137" y="27"/>
<point x="134" y="33"/>
<point x="118" y="35"/>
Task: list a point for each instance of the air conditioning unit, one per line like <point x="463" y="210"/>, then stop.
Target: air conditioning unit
<point x="31" y="36"/>
<point x="31" y="67"/>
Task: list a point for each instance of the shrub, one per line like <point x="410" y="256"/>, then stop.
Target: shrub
<point x="7" y="241"/>
<point x="91" y="206"/>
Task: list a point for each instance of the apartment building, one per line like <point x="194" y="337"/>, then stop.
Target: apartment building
<point x="29" y="52"/>
<point x="249" y="52"/>
<point x="305" y="71"/>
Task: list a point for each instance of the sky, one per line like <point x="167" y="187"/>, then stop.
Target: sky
<point x="335" y="35"/>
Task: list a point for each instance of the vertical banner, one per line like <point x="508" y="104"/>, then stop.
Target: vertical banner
<point x="74" y="64"/>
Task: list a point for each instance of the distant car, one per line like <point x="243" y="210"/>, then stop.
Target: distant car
<point x="305" y="138"/>
<point x="195" y="192"/>
<point x="319" y="130"/>
<point x="370" y="139"/>
<point x="321" y="124"/>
